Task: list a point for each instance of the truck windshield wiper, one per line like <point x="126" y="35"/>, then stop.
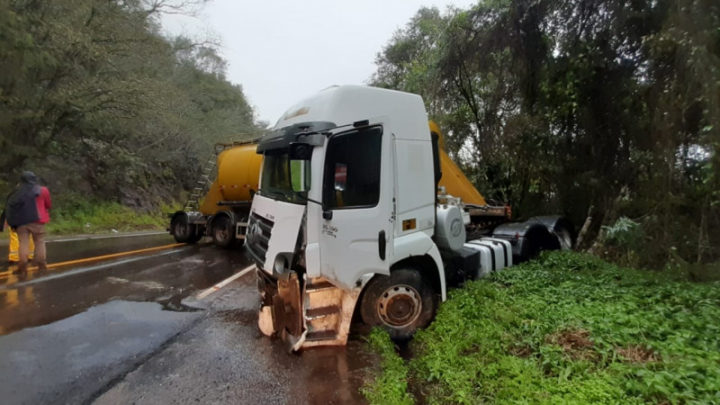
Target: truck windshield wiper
<point x="282" y="194"/>
<point x="306" y="198"/>
<point x="275" y="193"/>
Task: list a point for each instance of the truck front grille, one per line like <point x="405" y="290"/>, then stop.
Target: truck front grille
<point x="258" y="237"/>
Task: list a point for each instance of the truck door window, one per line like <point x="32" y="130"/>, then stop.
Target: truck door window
<point x="352" y="169"/>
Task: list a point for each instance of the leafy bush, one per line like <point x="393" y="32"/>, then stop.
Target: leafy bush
<point x="571" y="328"/>
<point x="622" y="243"/>
<point x="625" y="233"/>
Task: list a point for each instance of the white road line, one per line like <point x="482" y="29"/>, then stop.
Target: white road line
<point x="85" y="270"/>
<point x="225" y="282"/>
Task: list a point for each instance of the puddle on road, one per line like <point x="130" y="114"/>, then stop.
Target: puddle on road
<point x="149" y="285"/>
<point x="175" y="304"/>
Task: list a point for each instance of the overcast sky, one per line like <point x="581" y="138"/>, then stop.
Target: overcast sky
<point x="282" y="51"/>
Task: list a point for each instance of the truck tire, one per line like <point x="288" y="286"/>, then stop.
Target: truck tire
<point x="401" y="303"/>
<point x="223" y="231"/>
<point x="182" y="230"/>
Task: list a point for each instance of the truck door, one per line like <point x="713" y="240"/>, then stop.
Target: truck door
<point x="357" y="220"/>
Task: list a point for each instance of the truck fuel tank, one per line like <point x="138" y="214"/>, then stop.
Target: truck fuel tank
<point x="495" y="254"/>
<point x="502" y="251"/>
<point x="485" y="263"/>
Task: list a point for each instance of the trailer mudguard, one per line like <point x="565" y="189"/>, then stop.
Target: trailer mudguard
<point x="526" y="238"/>
<point x="559" y="226"/>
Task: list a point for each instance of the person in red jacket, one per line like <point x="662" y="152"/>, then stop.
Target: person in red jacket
<point x="27" y="211"/>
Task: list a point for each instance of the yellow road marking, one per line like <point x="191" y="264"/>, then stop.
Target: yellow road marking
<point x="7" y="273"/>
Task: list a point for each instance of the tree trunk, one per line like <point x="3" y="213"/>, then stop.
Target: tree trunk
<point x="590" y="229"/>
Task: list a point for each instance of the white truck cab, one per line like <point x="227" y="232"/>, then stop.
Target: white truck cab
<point x="347" y="220"/>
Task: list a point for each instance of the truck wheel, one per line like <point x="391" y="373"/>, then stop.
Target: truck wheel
<point x="401" y="303"/>
<point x="183" y="231"/>
<point x="223" y="231"/>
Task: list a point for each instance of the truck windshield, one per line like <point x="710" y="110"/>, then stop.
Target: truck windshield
<point x="284" y="178"/>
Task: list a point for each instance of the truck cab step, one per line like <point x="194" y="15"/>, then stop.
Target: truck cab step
<point x="320" y="312"/>
<point x="320" y="335"/>
<point x="315" y="287"/>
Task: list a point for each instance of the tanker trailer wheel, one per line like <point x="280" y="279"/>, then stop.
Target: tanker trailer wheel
<point x="223" y="231"/>
<point x="182" y="230"/>
<point x="401" y="303"/>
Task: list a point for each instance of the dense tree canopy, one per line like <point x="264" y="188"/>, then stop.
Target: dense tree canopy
<point x="600" y="109"/>
<point x="98" y="102"/>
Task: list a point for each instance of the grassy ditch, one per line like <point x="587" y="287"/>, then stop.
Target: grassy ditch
<point x="104" y="217"/>
<point x="566" y="328"/>
<point x="73" y="214"/>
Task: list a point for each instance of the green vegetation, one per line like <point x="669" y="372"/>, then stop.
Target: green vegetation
<point x="78" y="215"/>
<point x="105" y="217"/>
<point x="594" y="109"/>
<point x="567" y="328"/>
<point x="73" y="214"/>
<point x="98" y="102"/>
<point x="391" y="385"/>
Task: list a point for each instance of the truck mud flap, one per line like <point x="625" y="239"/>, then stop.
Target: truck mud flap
<point x="287" y="305"/>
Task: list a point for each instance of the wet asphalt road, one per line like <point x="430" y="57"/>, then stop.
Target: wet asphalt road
<point x="131" y="331"/>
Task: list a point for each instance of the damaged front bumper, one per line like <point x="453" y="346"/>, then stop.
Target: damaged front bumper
<point x="305" y="312"/>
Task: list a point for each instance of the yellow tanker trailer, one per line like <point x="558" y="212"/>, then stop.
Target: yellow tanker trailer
<point x="223" y="211"/>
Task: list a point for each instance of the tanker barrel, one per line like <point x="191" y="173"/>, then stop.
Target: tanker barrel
<point x="453" y="179"/>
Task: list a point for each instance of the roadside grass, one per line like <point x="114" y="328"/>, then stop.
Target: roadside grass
<point x="74" y="215"/>
<point x="103" y="218"/>
<point x="567" y="328"/>
<point x="391" y="386"/>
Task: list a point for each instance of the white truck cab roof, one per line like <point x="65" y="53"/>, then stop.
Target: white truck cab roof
<point x="344" y="105"/>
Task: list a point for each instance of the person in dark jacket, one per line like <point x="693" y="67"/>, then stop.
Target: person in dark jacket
<point x="27" y="211"/>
